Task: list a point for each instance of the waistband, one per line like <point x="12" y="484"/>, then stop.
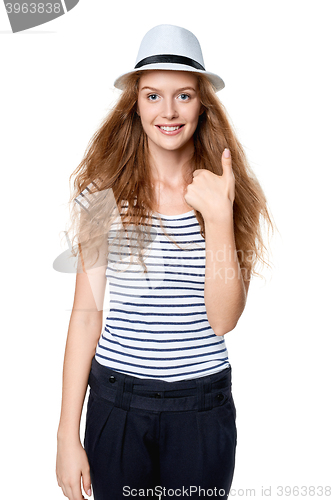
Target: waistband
<point x="126" y="391"/>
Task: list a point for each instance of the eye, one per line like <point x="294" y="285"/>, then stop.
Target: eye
<point x="184" y="97"/>
<point x="152" y="97"/>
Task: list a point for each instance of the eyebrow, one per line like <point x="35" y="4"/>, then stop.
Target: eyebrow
<point x="178" y="90"/>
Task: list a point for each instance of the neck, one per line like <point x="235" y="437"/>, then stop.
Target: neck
<point x="171" y="167"/>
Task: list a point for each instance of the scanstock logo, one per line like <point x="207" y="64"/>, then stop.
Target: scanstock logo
<point x="24" y="15"/>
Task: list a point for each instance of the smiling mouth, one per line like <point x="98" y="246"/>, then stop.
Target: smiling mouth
<point x="169" y="129"/>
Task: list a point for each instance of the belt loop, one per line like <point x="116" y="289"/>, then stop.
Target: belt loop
<point x="124" y="391"/>
<point x="200" y="394"/>
<point x="204" y="395"/>
<point x="120" y="391"/>
<point x="208" y="390"/>
<point x="128" y="390"/>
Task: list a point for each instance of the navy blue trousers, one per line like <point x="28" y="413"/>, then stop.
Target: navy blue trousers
<point x="156" y="439"/>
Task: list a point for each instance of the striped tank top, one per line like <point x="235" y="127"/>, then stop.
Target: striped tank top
<point x="157" y="326"/>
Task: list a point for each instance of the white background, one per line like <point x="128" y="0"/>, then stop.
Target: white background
<point x="56" y="87"/>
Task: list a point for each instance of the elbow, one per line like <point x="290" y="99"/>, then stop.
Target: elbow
<point x="222" y="330"/>
<point x="228" y="326"/>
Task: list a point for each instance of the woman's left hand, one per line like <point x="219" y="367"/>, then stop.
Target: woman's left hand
<point x="212" y="195"/>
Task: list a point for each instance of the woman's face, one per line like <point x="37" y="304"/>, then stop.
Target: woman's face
<point x="169" y="99"/>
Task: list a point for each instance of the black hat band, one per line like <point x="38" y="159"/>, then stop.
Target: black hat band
<point x="169" y="58"/>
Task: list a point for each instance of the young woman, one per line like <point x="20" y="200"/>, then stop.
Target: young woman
<point x="165" y="181"/>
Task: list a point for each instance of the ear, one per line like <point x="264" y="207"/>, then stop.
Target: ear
<point x="202" y="109"/>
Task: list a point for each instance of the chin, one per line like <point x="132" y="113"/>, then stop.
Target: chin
<point x="172" y="148"/>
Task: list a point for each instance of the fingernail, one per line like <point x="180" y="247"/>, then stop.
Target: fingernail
<point x="89" y="492"/>
<point x="226" y="153"/>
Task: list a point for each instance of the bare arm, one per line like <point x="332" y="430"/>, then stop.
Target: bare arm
<point x="83" y="333"/>
<point x="225" y="289"/>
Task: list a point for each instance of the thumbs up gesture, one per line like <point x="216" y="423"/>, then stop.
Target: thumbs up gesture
<point x="213" y="195"/>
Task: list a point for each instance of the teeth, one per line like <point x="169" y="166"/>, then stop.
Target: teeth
<point x="170" y="129"/>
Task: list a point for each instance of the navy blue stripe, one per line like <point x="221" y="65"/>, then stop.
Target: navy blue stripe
<point x="157" y="367"/>
<point x="162" y="350"/>
<point x="192" y="374"/>
<point x="158" y="288"/>
<point x="165" y="264"/>
<point x="174" y="358"/>
<point x="158" y="323"/>
<point x="157" y="233"/>
<point x="119" y="275"/>
<point x="117" y="285"/>
<point x="179" y="241"/>
<point x="127" y="254"/>
<point x="161" y="296"/>
<point x="113" y="301"/>
<point x="152" y="332"/>
<point x="155" y="313"/>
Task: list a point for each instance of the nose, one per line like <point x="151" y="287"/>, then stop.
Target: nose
<point x="169" y="108"/>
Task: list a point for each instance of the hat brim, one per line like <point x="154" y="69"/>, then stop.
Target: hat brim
<point x="216" y="81"/>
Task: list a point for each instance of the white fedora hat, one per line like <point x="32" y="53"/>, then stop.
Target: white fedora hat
<point x="172" y="48"/>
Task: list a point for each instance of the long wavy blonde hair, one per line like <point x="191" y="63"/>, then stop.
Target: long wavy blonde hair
<point x="115" y="170"/>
